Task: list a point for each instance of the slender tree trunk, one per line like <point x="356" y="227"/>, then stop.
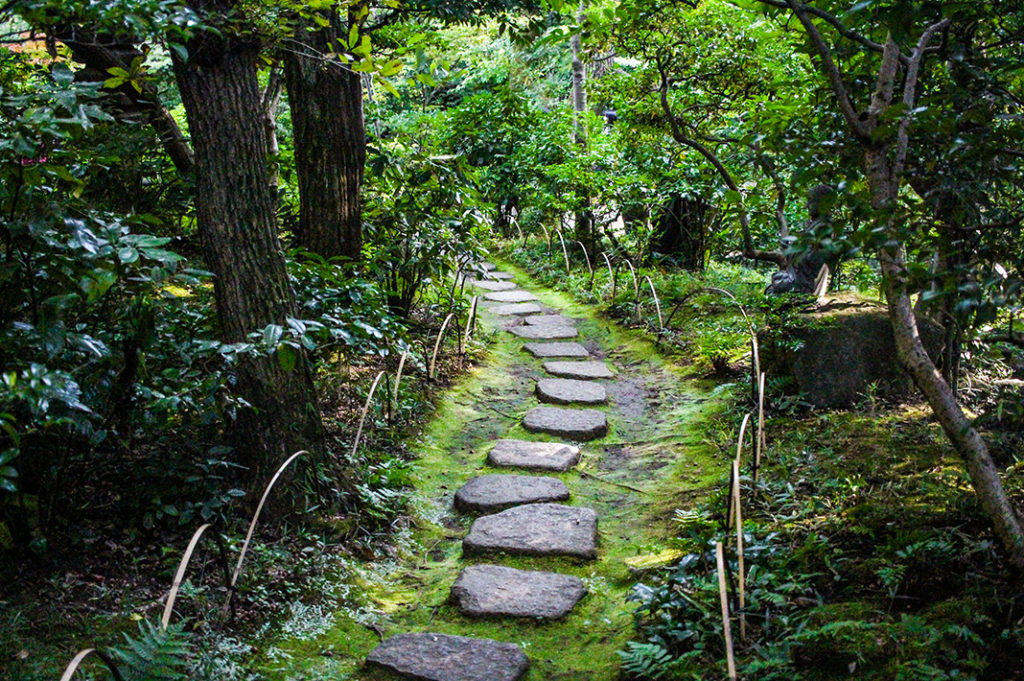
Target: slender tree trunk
<point x="235" y="207"/>
<point x="326" y="101"/>
<point x="584" y="216"/>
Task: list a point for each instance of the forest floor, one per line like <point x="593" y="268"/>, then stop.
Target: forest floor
<point x="650" y="463"/>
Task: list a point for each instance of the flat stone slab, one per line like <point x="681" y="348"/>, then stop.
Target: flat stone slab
<point x="556" y="350"/>
<point x="580" y="370"/>
<point x="575" y="424"/>
<point x="496" y="492"/>
<point x="555" y="319"/>
<point x="493" y="274"/>
<point x="536" y="530"/>
<point x="488" y="285"/>
<point x="497" y="591"/>
<point x="544" y="332"/>
<point x="441" y="657"/>
<point x="516" y="309"/>
<point x="510" y="296"/>
<point x="535" y="456"/>
<point x="488" y="266"/>
<point x="570" y="391"/>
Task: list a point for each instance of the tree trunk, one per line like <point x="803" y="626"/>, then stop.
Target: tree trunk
<point x="326" y="101"/>
<point x="584" y="230"/>
<point x="682" y="232"/>
<point x="235" y="207"/>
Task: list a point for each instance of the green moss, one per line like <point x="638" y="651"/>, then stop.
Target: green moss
<point x="647" y="465"/>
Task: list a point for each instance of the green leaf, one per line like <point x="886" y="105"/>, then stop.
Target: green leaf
<point x="287" y="356"/>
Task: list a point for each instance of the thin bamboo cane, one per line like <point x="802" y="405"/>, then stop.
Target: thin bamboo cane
<point x="180" y="574"/>
<point x="252" y="524"/>
<point x="611" y="273"/>
<point x="565" y="253"/>
<point x="657" y="305"/>
<point x="366" y="410"/>
<point x="724" y="598"/>
<point x="398" y="379"/>
<point x="80" y="658"/>
<point x="469" y="322"/>
<point x="739" y="453"/>
<point x="739" y="548"/>
<point x="587" y="256"/>
<point x="547" y="235"/>
<point x="760" y="424"/>
<point x="437" y="345"/>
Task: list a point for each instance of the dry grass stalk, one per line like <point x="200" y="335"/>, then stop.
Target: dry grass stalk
<point x="739" y="547"/>
<point x="80" y="658"/>
<point x="255" y="519"/>
<point x="657" y="305"/>
<point x="759" y="446"/>
<point x="398" y="379"/>
<point x="565" y="253"/>
<point x="180" y="575"/>
<point x="366" y="410"/>
<point x="437" y="345"/>
<point x="723" y="596"/>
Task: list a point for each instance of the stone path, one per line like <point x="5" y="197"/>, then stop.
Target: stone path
<point x="523" y="520"/>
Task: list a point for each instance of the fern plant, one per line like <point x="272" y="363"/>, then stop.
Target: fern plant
<point x="155" y="654"/>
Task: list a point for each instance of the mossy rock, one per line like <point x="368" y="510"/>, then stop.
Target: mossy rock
<point x="840" y="352"/>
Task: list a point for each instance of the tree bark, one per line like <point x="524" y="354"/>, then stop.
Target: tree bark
<point x="584" y="218"/>
<point x="235" y="207"/>
<point x="326" y="101"/>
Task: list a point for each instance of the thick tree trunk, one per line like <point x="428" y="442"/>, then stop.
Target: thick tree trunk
<point x="235" y="207"/>
<point x="326" y="101"/>
<point x="682" y="232"/>
<point x="912" y="355"/>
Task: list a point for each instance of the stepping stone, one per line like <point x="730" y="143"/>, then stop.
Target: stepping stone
<point x="497" y="591"/>
<point x="581" y="370"/>
<point x="492" y="493"/>
<point x="555" y="319"/>
<point x="544" y="332"/>
<point x="536" y="456"/>
<point x="500" y="275"/>
<point x="536" y="530"/>
<point x="516" y="309"/>
<point x="510" y="296"/>
<point x="488" y="285"/>
<point x="575" y="424"/>
<point x="488" y="266"/>
<point x="440" y="657"/>
<point x="556" y="350"/>
<point x="570" y="391"/>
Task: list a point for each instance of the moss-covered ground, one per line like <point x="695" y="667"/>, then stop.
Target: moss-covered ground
<point x="651" y="462"/>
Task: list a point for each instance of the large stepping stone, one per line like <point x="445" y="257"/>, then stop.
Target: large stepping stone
<point x="516" y="309"/>
<point x="492" y="493"/>
<point x="570" y="391"/>
<point x="536" y="530"/>
<point x="535" y="456"/>
<point x="500" y="275"/>
<point x="497" y="591"/>
<point x="441" y="657"/>
<point x="575" y="424"/>
<point x="580" y="370"/>
<point x="544" y="332"/>
<point x="556" y="350"/>
<point x="488" y="285"/>
<point x="555" y="319"/>
<point x="510" y="296"/>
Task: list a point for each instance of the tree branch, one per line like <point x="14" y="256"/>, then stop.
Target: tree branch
<point x="910" y="94"/>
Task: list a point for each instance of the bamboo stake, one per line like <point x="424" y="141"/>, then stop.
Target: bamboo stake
<point x="735" y="480"/>
<point x="252" y="524"/>
<point x="398" y="379"/>
<point x="565" y="253"/>
<point x="437" y="345"/>
<point x="657" y="305"/>
<point x="469" y="322"/>
<point x="724" y="598"/>
<point x="80" y="657"/>
<point x="180" y="574"/>
<point x="547" y="235"/>
<point x="611" y="273"/>
<point x="760" y="424"/>
<point x="739" y="547"/>
<point x="587" y="256"/>
<point x="366" y="410"/>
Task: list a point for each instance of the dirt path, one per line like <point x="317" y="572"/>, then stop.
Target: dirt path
<point x="649" y="463"/>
